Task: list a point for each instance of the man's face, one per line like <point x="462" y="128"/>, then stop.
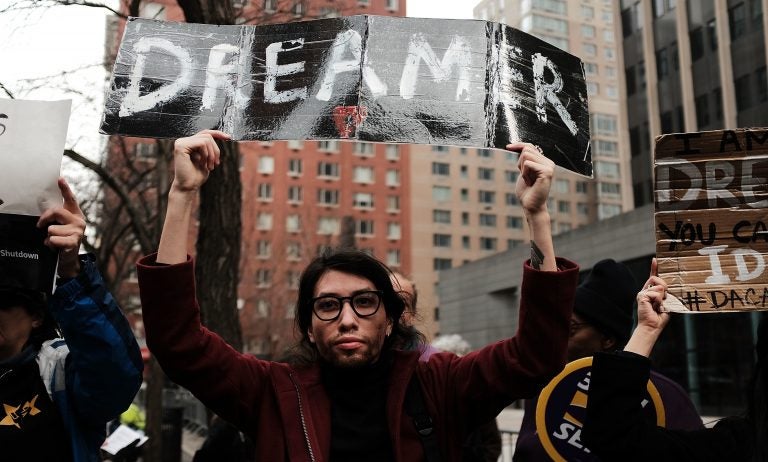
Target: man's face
<point x="16" y="325"/>
<point x="349" y="340"/>
<point x="584" y="340"/>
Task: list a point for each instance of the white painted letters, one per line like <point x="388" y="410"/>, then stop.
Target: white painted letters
<point x="133" y="102"/>
<point x="458" y="55"/>
<point x="274" y="70"/>
<point x="547" y="92"/>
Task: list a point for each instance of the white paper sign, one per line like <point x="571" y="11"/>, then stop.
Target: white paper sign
<point x="32" y="137"/>
<point x="121" y="438"/>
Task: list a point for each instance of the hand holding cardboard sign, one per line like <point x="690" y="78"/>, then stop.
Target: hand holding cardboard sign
<point x="532" y="188"/>
<point x="651" y="320"/>
<point x="66" y="228"/>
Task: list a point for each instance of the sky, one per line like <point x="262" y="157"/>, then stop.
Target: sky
<point x="48" y="42"/>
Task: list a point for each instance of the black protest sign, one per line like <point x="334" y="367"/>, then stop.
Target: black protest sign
<point x="369" y="78"/>
<point x="712" y="219"/>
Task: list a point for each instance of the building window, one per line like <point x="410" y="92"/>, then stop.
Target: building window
<point x="590" y="69"/>
<point x="295" y="194"/>
<point x="486" y="153"/>
<point x="362" y="175"/>
<point x="582" y="209"/>
<point x="485" y="173"/>
<point x="563" y="206"/>
<point x="393" y="178"/>
<point x="610" y="188"/>
<point x="441" y="193"/>
<point x="295" y="144"/>
<point x="441" y="216"/>
<point x="363" y="149"/>
<point x="609" y="53"/>
<point x="549" y="24"/>
<point x="581" y="187"/>
<point x="697" y="43"/>
<point x="328" y="146"/>
<point x="295" y="167"/>
<point x="662" y="65"/>
<point x="587" y="31"/>
<point x="440" y="148"/>
<point x="393" y="230"/>
<point x="465" y="218"/>
<point x="327" y="170"/>
<point x="441" y="240"/>
<point x="263" y="249"/>
<point x="762" y="84"/>
<point x="717" y="96"/>
<point x="465" y="242"/>
<point x="610" y="72"/>
<point x="292" y="279"/>
<point x="608" y="211"/>
<point x="270" y="6"/>
<point x="510" y="199"/>
<point x="262" y="307"/>
<point x="393" y="203"/>
<point x="743" y="93"/>
<point x="737" y="19"/>
<point x="263" y="277"/>
<point x="514" y="222"/>
<point x="587" y="12"/>
<point x="608" y="35"/>
<point x="328" y="196"/>
<point x="392" y="152"/>
<point x="562" y="186"/>
<point x="488" y="243"/>
<point x="441" y="264"/>
<point x="392" y="5"/>
<point x="264" y="221"/>
<point x="603" y="124"/>
<point x="441" y="168"/>
<point x="393" y="257"/>
<point x="607" y="169"/>
<point x="266" y="164"/>
<point x="606" y="148"/>
<point x="144" y="151"/>
<point x="293" y="223"/>
<point x="756" y="10"/>
<point x="486" y="197"/>
<point x="293" y="250"/>
<point x="590" y="49"/>
<point x="593" y="88"/>
<point x="488" y="220"/>
<point x="364" y="227"/>
<point x="328" y="225"/>
<point x="264" y="192"/>
<point x="702" y="110"/>
<point x="363" y="200"/>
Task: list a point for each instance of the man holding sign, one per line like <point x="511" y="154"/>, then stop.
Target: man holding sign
<point x="353" y="396"/>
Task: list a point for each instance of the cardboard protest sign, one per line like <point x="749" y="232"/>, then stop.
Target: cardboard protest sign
<point x="711" y="214"/>
<point x="370" y="78"/>
<point x="32" y="136"/>
<point x="562" y="408"/>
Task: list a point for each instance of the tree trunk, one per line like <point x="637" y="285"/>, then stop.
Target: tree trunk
<point x="218" y="247"/>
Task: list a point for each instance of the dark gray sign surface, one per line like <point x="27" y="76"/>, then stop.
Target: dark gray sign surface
<point x="370" y="78"/>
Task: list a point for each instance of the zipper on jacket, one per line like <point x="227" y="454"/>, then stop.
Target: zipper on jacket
<point x="303" y="422"/>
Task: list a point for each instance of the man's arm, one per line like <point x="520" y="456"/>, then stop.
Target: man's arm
<point x="194" y="158"/>
<point x="104" y="366"/>
<point x="532" y="188"/>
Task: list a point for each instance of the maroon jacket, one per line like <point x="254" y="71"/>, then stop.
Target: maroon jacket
<point x="286" y="410"/>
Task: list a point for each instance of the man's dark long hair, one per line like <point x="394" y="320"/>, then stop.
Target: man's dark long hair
<point x="356" y="263"/>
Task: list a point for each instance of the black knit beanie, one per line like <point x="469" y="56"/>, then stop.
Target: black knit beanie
<point x="606" y="299"/>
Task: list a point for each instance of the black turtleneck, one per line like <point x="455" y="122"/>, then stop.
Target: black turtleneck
<point x="358" y="411"/>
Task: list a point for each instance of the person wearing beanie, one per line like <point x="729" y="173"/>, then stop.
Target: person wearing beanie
<point x="602" y="321"/>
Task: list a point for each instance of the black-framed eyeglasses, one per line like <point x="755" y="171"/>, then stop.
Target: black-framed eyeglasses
<point x="364" y="304"/>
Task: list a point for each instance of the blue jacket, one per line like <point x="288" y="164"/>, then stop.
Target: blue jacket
<point x="95" y="372"/>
